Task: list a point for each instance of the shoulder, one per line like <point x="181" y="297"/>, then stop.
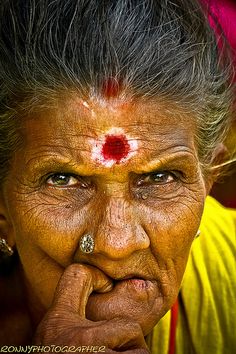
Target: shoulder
<point x="208" y="290"/>
<point x="216" y="245"/>
<point x="213" y="254"/>
<point x="217" y="216"/>
<point x="15" y="324"/>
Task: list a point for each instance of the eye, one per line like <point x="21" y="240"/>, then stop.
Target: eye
<point x="162" y="177"/>
<point x="64" y="180"/>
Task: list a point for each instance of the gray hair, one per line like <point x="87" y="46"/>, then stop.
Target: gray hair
<point x="157" y="49"/>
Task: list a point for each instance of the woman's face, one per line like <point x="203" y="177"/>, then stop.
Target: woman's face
<point x="129" y="175"/>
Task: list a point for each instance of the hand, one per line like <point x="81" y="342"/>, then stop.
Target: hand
<point x="65" y="323"/>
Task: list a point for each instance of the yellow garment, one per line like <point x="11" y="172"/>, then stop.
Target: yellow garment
<point x="207" y="299"/>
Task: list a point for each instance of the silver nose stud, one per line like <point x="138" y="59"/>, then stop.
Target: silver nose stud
<point x="87" y="243"/>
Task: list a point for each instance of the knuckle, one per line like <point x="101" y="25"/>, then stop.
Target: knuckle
<point x="133" y="328"/>
<point x="49" y="327"/>
<point x="137" y="329"/>
<point x="78" y="271"/>
<point x="88" y="335"/>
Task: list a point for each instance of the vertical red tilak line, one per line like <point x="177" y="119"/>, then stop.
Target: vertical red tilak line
<point x="111" y="88"/>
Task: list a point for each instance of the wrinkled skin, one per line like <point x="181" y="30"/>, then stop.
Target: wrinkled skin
<point x="143" y="214"/>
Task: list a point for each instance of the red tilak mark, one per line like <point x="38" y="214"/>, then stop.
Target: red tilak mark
<point x="116" y="147"/>
<point x="111" y="88"/>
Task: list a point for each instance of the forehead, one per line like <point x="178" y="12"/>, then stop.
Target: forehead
<point x="76" y="124"/>
<point x="100" y="115"/>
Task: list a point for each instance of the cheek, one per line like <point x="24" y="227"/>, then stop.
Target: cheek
<point x="47" y="238"/>
<point x="172" y="228"/>
<point x="42" y="275"/>
<point x="53" y="230"/>
<point x="34" y="238"/>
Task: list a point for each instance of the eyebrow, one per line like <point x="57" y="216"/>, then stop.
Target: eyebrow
<point x="54" y="161"/>
<point x="184" y="158"/>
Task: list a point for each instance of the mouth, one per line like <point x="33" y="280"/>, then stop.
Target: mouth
<point x="129" y="277"/>
<point x="136" y="283"/>
<point x="133" y="281"/>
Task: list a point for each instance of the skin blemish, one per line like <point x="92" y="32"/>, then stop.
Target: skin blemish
<point x="86" y="105"/>
<point x="114" y="147"/>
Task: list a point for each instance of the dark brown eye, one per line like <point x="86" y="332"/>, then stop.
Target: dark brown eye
<point x="157" y="178"/>
<point x="63" y="180"/>
<point x="161" y="177"/>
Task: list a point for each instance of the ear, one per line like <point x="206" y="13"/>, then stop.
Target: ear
<point x="219" y="156"/>
<point x="5" y="225"/>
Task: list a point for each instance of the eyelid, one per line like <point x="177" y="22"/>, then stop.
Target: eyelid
<point x="79" y="179"/>
<point x="62" y="174"/>
<point x="175" y="174"/>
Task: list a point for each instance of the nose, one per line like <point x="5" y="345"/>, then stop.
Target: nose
<point x="119" y="233"/>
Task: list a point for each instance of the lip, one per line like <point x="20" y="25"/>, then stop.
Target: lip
<point x="131" y="276"/>
<point x="135" y="283"/>
<point x="117" y="271"/>
<point x="137" y="280"/>
<point x="132" y="289"/>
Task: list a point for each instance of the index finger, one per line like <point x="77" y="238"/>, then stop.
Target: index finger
<point x="76" y="284"/>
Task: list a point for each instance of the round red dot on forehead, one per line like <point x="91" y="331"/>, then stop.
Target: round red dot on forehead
<point x="111" y="88"/>
<point x="116" y="147"/>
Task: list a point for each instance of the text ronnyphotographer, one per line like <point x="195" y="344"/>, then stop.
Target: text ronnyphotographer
<point x="52" y="349"/>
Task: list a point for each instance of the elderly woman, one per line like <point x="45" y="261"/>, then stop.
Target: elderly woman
<point x="113" y="115"/>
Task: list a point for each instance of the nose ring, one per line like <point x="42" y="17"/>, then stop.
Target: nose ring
<point x="87" y="243"/>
